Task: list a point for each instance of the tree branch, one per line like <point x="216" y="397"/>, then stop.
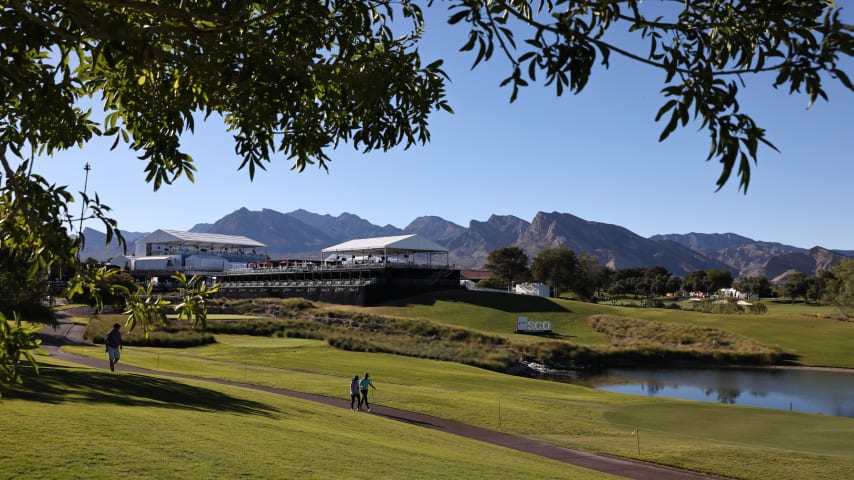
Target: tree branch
<point x="603" y="44"/>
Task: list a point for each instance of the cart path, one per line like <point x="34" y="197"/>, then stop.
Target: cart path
<point x="67" y="333"/>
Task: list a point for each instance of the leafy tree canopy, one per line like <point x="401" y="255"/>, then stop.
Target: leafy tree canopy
<point x="561" y="270"/>
<point x="704" y="49"/>
<point x="756" y="285"/>
<point x="840" y="287"/>
<point x="797" y="284"/>
<point x="507" y="265"/>
<point x="297" y="79"/>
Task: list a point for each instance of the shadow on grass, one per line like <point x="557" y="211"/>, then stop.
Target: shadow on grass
<point x="56" y="384"/>
<point x="790" y="359"/>
<point x="494" y="300"/>
<point x="553" y="336"/>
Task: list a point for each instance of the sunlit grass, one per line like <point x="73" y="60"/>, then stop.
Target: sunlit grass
<point x="814" y="335"/>
<point x="727" y="440"/>
<point x="82" y="423"/>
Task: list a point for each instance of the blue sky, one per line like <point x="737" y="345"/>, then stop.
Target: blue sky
<point x="595" y="155"/>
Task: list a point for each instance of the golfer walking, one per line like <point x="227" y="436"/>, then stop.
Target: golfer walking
<point x="364" y="384"/>
<point x="114" y="346"/>
<point x="355" y="401"/>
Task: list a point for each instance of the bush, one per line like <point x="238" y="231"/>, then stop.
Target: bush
<point x="721" y="307"/>
<point x="758" y="308"/>
<point x="109" y="298"/>
<point x="175" y="335"/>
<point x="493" y="283"/>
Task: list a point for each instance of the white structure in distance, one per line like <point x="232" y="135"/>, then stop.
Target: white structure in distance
<point x="394" y="250"/>
<point x="535" y="289"/>
<point x="189" y="251"/>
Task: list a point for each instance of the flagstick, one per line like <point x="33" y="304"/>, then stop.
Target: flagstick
<point x="637" y="436"/>
<point x="499" y="414"/>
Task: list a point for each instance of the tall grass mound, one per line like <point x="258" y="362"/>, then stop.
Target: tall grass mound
<point x="728" y="307"/>
<point x="361" y="332"/>
<point x="632" y="339"/>
<point x="633" y="342"/>
<point x="175" y="335"/>
<point x="273" y="307"/>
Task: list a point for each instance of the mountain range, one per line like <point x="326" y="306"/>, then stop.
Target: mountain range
<point x="303" y="234"/>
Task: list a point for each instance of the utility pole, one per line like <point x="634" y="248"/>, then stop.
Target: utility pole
<point x="86" y="168"/>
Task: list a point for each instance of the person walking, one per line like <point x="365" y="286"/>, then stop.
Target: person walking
<point x="363" y="386"/>
<point x="354" y="394"/>
<point x="114" y="346"/>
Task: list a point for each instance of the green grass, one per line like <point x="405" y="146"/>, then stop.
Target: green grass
<point x="497" y="312"/>
<point x="81" y="423"/>
<point x="813" y="334"/>
<point x="728" y="440"/>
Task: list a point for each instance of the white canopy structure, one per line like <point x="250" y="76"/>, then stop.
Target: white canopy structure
<point x="161" y="242"/>
<point x="173" y="250"/>
<point x="395" y="249"/>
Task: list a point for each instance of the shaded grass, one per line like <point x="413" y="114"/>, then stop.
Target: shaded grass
<point x="183" y="430"/>
<point x="64" y="384"/>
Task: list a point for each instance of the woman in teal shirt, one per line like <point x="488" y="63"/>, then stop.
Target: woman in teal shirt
<point x="363" y="385"/>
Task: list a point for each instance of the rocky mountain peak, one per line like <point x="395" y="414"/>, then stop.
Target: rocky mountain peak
<point x="301" y="233"/>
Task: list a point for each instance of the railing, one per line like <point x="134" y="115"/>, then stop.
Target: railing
<point x="343" y="267"/>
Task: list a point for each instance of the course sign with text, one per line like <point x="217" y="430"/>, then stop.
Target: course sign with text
<point x="523" y="325"/>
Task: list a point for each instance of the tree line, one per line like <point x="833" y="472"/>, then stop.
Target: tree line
<point x="581" y="275"/>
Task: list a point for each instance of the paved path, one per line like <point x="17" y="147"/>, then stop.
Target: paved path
<point x="66" y="333"/>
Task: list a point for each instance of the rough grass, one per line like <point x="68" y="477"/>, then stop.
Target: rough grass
<point x="176" y="335"/>
<point x="668" y="341"/>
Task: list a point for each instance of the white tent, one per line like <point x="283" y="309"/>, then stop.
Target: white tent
<point x="159" y="262"/>
<point x="124" y="262"/>
<point x="205" y="262"/>
<point x="169" y="241"/>
<point x="399" y="246"/>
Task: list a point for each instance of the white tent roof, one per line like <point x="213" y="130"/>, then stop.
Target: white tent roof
<point x="209" y="240"/>
<point x="388" y="245"/>
<point x="159" y="257"/>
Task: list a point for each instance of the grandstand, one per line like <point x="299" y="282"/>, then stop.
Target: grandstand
<point x="358" y="272"/>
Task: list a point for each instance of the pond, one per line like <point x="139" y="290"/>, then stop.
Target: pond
<point x="813" y="391"/>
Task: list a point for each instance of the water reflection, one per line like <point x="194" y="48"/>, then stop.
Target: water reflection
<point x="726" y="395"/>
<point x="826" y="392"/>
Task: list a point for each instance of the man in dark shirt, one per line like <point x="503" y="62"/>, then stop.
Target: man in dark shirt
<point x="114" y="346"/>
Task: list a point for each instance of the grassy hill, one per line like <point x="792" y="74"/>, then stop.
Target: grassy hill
<point x="727" y="440"/>
<point x="81" y="423"/>
<point x="812" y="335"/>
<point x="102" y="425"/>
